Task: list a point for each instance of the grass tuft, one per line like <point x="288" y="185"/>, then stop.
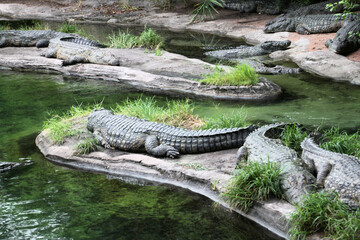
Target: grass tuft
<point x="148" y="39"/>
<point x="123" y="40"/>
<point x="177" y="113"/>
<point x="236" y="119"/>
<point x="241" y="75"/>
<point x="86" y="146"/>
<point x="341" y="142"/>
<point x="292" y="135"/>
<point x="253" y="182"/>
<point x="324" y="211"/>
<point x="72" y="28"/>
<point x="62" y="126"/>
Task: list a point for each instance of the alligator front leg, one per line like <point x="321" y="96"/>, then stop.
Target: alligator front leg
<point x="42" y="43"/>
<point x="3" y="42"/>
<point x="101" y="139"/>
<point x="152" y="147"/>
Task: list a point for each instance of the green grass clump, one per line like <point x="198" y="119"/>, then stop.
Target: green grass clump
<point x="194" y="166"/>
<point x="148" y="39"/>
<point x="292" y="136"/>
<point x="34" y="25"/>
<point x="72" y="28"/>
<point x="241" y="75"/>
<point x="324" y="211"/>
<point x="123" y="40"/>
<point x="87" y="146"/>
<point x="62" y="126"/>
<point x="4" y="27"/>
<point x="341" y="142"/>
<point x="255" y="181"/>
<point x="177" y="113"/>
<point x="236" y="119"/>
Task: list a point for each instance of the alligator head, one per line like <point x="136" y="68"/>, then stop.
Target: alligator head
<point x="343" y="43"/>
<point x="279" y="24"/>
<point x="272" y="46"/>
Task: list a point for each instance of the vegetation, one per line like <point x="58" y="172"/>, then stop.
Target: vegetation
<point x="206" y="8"/>
<point x="72" y="28"/>
<point x="24" y="25"/>
<point x="241" y="75"/>
<point x="86" y="146"/>
<point x="62" y="126"/>
<point x="348" y="6"/>
<point x="324" y="211"/>
<point x="194" y="166"/>
<point x="177" y="113"/>
<point x="148" y="39"/>
<point x="292" y="136"/>
<point x="341" y="142"/>
<point x="236" y="119"/>
<point x="255" y="181"/>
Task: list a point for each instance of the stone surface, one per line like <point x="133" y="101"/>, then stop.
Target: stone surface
<point x="207" y="174"/>
<point x="231" y="24"/>
<point x="164" y="75"/>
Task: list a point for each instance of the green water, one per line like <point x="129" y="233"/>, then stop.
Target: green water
<point x="309" y="100"/>
<point x="42" y="201"/>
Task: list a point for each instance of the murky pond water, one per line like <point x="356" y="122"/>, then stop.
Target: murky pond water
<point x="42" y="201"/>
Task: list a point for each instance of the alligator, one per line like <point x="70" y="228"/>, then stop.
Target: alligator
<point x="343" y="43"/>
<point x="32" y="38"/>
<point x="335" y="171"/>
<point x="160" y="140"/>
<point x="274" y="70"/>
<point x="260" y="146"/>
<point x="307" y="24"/>
<point x="6" y="166"/>
<point x="78" y="50"/>
<point x="276" y="7"/>
<point x="249" y="51"/>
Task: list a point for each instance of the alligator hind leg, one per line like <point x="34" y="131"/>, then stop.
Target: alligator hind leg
<point x="50" y="53"/>
<point x="74" y="60"/>
<point x="152" y="147"/>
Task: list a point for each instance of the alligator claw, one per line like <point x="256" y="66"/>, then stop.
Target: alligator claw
<point x="172" y="154"/>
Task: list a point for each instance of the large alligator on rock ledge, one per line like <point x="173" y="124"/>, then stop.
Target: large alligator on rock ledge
<point x="250" y="51"/>
<point x="78" y="50"/>
<point x="335" y="171"/>
<point x="32" y="38"/>
<point x="307" y="24"/>
<point x="262" y="146"/>
<point x="160" y="140"/>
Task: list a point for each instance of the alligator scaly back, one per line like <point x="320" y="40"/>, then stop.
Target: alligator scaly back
<point x="297" y="181"/>
<point x="335" y="171"/>
<point x="39" y="38"/>
<point x="138" y="135"/>
<point x="79" y="50"/>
